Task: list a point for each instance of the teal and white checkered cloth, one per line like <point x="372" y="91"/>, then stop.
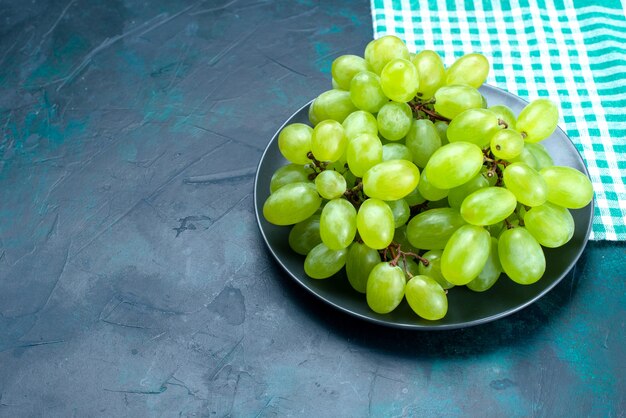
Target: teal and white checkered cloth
<point x="571" y="51"/>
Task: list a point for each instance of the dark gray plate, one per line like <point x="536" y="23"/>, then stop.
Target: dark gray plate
<point x="466" y="308"/>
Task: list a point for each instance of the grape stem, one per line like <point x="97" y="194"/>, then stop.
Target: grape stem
<point x="501" y="122"/>
<point x="318" y="166"/>
<point x="424" y="107"/>
<point x="355" y="195"/>
<point x="396" y="252"/>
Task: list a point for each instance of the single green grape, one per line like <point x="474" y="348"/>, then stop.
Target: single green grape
<point x="537" y="120"/>
<point x="305" y="235"/>
<point x="328" y="142"/>
<point x="452" y="100"/>
<point x="291" y="204"/>
<point x="400" y="210"/>
<point x="454" y="164"/>
<point x="391" y="180"/>
<point x="399" y="80"/>
<point x="488" y="206"/>
<point x="431" y="229"/>
<point x="465" y="254"/>
<point x="294" y="142"/>
<point x="431" y="73"/>
<point x="423" y="140"/>
<point x="385" y="288"/>
<point x="550" y="224"/>
<point x="541" y="155"/>
<point x="363" y="153"/>
<point x="322" y="262"/>
<point x="526" y="157"/>
<point x="470" y="69"/>
<point x="567" y="187"/>
<point x="332" y="104"/>
<point x="394" y="120"/>
<point x="521" y="256"/>
<point x="528" y="186"/>
<point x="338" y="224"/>
<point x="396" y="151"/>
<point x="330" y="184"/>
<point x="474" y="125"/>
<point x="345" y="67"/>
<point x="426" y="298"/>
<point x="360" y="122"/>
<point x="507" y="144"/>
<point x="442" y="129"/>
<point x="375" y="223"/>
<point x="359" y="264"/>
<point x="366" y="92"/>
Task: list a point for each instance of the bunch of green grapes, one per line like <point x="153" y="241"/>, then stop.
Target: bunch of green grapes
<point x="412" y="183"/>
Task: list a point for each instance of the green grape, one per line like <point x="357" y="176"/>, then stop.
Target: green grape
<point x="399" y="80"/>
<point x="490" y="273"/>
<point x="394" y="120"/>
<point x="567" y="187"/>
<point x="465" y="254"/>
<point x="454" y="164"/>
<point x="550" y="224"/>
<point x="359" y="263"/>
<point x="291" y="204"/>
<point x="366" y="92"/>
<point x="330" y="184"/>
<point x="294" y="142"/>
<point x="507" y="144"/>
<point x="322" y="262"/>
<point x="375" y="224"/>
<point x="391" y="180"/>
<point x="470" y="69"/>
<point x="345" y="67"/>
<point x="360" y="122"/>
<point x="526" y="157"/>
<point x="400" y="210"/>
<point x="505" y="114"/>
<point x="305" y="235"/>
<point x="521" y="256"/>
<point x="541" y="155"/>
<point x="338" y="224"/>
<point x="414" y="198"/>
<point x="426" y="297"/>
<point x="537" y="120"/>
<point x="328" y="142"/>
<point x="335" y="85"/>
<point x="430" y="71"/>
<point x="313" y="118"/>
<point x="400" y="238"/>
<point x="496" y="229"/>
<point x="442" y="130"/>
<point x="428" y="191"/>
<point x="363" y="153"/>
<point x="474" y="125"/>
<point x="423" y="140"/>
<point x="367" y="53"/>
<point x="385" y="49"/>
<point x="459" y="193"/>
<point x="290" y="173"/>
<point x="332" y="104"/>
<point x="433" y="269"/>
<point x="385" y="288"/>
<point x="396" y="151"/>
<point x="485" y="105"/>
<point x="452" y="100"/>
<point x="488" y="206"/>
<point x="526" y="184"/>
<point x="431" y="229"/>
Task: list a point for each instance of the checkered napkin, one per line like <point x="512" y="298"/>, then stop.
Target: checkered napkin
<point x="571" y="51"/>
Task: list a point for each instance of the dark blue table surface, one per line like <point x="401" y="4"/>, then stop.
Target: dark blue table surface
<point x="134" y="280"/>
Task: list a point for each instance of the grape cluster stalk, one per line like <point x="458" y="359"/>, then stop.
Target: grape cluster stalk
<point x="412" y="182"/>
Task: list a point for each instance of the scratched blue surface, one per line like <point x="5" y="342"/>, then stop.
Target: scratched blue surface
<point x="134" y="281"/>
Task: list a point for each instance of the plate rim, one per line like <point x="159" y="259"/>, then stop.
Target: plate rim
<point x="419" y="327"/>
